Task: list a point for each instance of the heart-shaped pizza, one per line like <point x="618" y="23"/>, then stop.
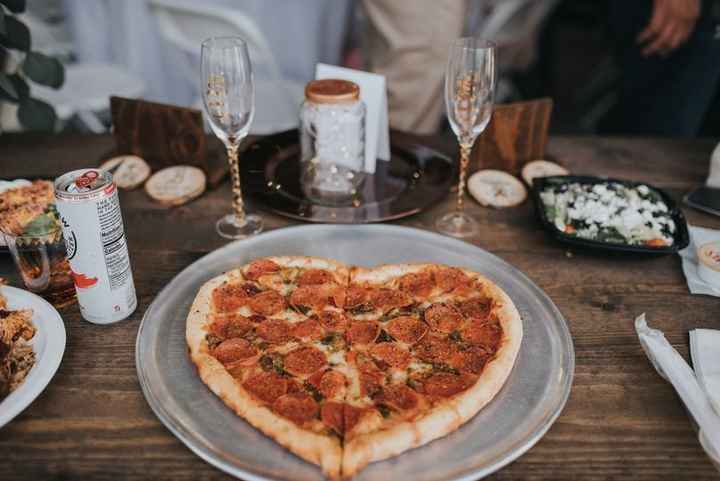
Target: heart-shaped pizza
<point x="345" y="365"/>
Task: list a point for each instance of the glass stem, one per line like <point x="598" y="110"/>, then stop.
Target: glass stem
<point x="465" y="149"/>
<point x="238" y="205"/>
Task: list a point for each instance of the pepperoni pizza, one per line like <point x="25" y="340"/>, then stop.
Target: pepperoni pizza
<point x="346" y="365"/>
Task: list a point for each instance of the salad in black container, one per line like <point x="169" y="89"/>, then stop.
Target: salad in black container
<point x="609" y="214"/>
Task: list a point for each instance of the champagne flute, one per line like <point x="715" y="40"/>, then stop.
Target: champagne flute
<point x="229" y="100"/>
<point x="469" y="92"/>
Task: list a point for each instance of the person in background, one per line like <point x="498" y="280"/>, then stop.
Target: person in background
<point x="408" y="43"/>
<point x="669" y="59"/>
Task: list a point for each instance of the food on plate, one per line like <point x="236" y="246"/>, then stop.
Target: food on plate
<point x="541" y="168"/>
<point x="610" y="212"/>
<point x="176" y="185"/>
<point x="709" y="263"/>
<point x="347" y="365"/>
<point x="16" y="354"/>
<point x="128" y="171"/>
<point x="29" y="209"/>
<point x="495" y="188"/>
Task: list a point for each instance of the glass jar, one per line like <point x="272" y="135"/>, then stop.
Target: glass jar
<point x="332" y="137"/>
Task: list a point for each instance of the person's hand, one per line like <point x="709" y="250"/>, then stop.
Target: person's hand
<point x="672" y="22"/>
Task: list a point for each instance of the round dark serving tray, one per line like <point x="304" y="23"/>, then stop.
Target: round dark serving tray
<point x="416" y="177"/>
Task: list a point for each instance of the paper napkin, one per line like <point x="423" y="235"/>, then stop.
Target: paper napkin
<point x="374" y="94"/>
<point x="671" y="366"/>
<point x="705" y="352"/>
<point x="698" y="237"/>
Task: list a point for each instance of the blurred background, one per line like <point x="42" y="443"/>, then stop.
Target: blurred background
<point x="640" y="67"/>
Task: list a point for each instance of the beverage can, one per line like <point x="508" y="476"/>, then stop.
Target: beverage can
<point x="87" y="201"/>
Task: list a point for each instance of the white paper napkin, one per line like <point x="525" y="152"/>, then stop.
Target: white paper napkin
<point x="705" y="352"/>
<point x="671" y="366"/>
<point x="698" y="237"/>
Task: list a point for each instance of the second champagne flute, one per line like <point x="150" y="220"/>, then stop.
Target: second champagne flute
<point x="229" y="100"/>
<point x="469" y="92"/>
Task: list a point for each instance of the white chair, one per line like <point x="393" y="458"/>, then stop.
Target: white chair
<point x="87" y="88"/>
<point x="186" y="25"/>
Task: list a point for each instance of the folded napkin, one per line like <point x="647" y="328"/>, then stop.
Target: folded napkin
<point x="671" y="366"/>
<point x="698" y="237"/>
<point x="705" y="352"/>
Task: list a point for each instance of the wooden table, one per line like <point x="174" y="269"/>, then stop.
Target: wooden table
<point x="622" y="420"/>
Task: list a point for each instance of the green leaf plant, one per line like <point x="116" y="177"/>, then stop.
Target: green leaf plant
<point x="16" y="49"/>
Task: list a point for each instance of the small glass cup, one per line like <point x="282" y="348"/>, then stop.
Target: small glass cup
<point x="42" y="263"/>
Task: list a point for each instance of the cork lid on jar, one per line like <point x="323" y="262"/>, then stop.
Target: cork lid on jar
<point x="332" y="91"/>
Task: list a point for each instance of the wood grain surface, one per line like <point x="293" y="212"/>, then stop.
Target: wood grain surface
<point x="622" y="420"/>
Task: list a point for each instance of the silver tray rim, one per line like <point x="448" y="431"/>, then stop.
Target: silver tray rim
<point x="214" y="458"/>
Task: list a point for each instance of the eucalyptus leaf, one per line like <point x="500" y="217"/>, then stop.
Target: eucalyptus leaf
<point x="7" y="87"/>
<point x="44" y="70"/>
<point x="15" y="6"/>
<point x="41" y="225"/>
<point x="36" y="115"/>
<point x="16" y="36"/>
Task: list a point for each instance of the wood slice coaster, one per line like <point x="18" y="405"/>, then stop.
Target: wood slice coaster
<point x="176" y="185"/>
<point x="128" y="171"/>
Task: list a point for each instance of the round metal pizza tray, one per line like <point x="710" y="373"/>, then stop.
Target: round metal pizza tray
<point x="512" y="423"/>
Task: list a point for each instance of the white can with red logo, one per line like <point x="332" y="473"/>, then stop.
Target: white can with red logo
<point x="87" y="201"/>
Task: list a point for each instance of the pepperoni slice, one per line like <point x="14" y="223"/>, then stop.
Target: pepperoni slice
<point x="233" y="350"/>
<point x="357" y="296"/>
<point x="477" y="307"/>
<point x="274" y="330"/>
<point x="399" y="397"/>
<point x="387" y="299"/>
<point x="307" y="329"/>
<point x="392" y="354"/>
<point x="298" y="407"/>
<point x="443" y="318"/>
<point x="485" y="334"/>
<point x="446" y="384"/>
<point x="450" y="278"/>
<point x="318" y="297"/>
<point x="351" y="416"/>
<point x="313" y="277"/>
<point x="333" y="321"/>
<point x="230" y="297"/>
<point x="370" y="383"/>
<point x="331" y="414"/>
<point x="417" y="284"/>
<point x="407" y="329"/>
<point x="267" y="303"/>
<point x="362" y="332"/>
<point x="341" y="417"/>
<point x="259" y="268"/>
<point x="266" y="386"/>
<point x="471" y="360"/>
<point x="435" y="349"/>
<point x="330" y="383"/>
<point x="232" y="325"/>
<point x="304" y="361"/>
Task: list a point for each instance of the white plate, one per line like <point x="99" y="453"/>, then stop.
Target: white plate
<point x="48" y="344"/>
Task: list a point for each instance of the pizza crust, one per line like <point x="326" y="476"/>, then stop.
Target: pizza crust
<point x="321" y="450"/>
<point x="447" y="417"/>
